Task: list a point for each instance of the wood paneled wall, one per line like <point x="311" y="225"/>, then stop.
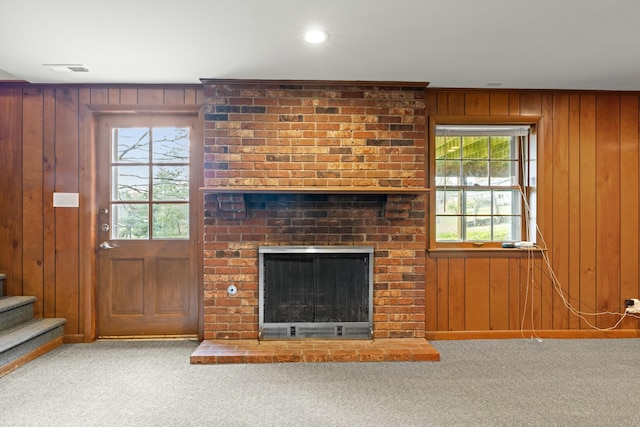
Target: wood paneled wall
<point x="587" y="211"/>
<point x="46" y="146"/>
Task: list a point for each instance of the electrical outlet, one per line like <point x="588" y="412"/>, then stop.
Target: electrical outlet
<point x="632" y="306"/>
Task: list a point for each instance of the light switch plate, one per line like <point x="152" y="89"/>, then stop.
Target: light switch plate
<point x="66" y="200"/>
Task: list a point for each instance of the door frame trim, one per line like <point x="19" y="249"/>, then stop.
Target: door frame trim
<point x="88" y="193"/>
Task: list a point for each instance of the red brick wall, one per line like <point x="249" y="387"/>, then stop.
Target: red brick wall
<point x="270" y="135"/>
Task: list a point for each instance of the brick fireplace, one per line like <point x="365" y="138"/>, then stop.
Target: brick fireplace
<point x="313" y="164"/>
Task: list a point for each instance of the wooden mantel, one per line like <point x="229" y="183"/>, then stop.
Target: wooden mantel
<point x="232" y="204"/>
<point x="313" y="190"/>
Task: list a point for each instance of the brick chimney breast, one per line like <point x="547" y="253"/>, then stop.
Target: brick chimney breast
<point x="271" y="136"/>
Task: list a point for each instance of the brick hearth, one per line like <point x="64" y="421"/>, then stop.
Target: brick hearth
<point x="253" y="351"/>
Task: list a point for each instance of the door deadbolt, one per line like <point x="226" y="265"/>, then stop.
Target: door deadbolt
<point x="105" y="227"/>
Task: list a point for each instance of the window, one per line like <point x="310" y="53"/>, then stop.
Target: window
<point x="482" y="178"/>
<point x="150" y="183"/>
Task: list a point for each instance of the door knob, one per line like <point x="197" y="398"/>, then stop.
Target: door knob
<point x="105" y="245"/>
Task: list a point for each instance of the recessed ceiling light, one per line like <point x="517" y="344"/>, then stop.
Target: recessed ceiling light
<point x="67" y="68"/>
<point x="316" y="36"/>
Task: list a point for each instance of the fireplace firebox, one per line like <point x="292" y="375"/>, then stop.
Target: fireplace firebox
<point x="315" y="292"/>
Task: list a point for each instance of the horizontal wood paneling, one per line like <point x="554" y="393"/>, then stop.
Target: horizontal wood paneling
<point x="45" y="146"/>
<point x="587" y="211"/>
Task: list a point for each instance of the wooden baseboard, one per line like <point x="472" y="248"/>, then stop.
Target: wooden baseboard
<point x="148" y="337"/>
<point x="560" y="334"/>
<point x="45" y="348"/>
<point x="74" y="339"/>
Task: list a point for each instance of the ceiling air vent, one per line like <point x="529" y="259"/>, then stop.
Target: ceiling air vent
<point x="67" y="68"/>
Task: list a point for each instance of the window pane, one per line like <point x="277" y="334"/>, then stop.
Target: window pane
<point x="448" y="202"/>
<point x="477" y="202"/>
<point x="129" y="221"/>
<point x="447" y="172"/>
<point x="507" y="228"/>
<point x="170" y="145"/>
<point x="448" y="147"/>
<point x="506" y="202"/>
<point x="130" y="183"/>
<point x="448" y="228"/>
<point x="475" y="147"/>
<point x="478" y="228"/>
<point x="503" y="173"/>
<point x="170" y="183"/>
<point x="171" y="221"/>
<point x="502" y="148"/>
<point x="475" y="172"/>
<point x="130" y="145"/>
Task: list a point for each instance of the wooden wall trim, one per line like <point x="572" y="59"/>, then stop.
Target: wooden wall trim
<point x="97" y="86"/>
<point x="531" y="334"/>
<point x="143" y="108"/>
<point x="365" y="83"/>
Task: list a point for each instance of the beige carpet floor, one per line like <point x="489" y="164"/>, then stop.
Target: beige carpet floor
<point x="476" y="383"/>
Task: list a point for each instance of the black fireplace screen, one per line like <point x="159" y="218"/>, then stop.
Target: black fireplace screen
<point x="316" y="286"/>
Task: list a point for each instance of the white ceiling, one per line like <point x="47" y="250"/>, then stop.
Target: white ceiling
<point x="537" y="44"/>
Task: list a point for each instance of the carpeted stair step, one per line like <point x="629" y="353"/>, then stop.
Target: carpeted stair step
<point x="28" y="337"/>
<point x="15" y="310"/>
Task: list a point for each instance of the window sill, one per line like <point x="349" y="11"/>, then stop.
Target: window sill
<point x="485" y="252"/>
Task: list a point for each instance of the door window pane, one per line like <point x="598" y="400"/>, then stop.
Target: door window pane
<point x="171" y="221"/>
<point x="130" y="183"/>
<point x="170" y="145"/>
<point x="171" y="182"/>
<point x="130" y="145"/>
<point x="130" y="221"/>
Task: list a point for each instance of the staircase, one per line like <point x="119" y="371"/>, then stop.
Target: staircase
<point x="23" y="338"/>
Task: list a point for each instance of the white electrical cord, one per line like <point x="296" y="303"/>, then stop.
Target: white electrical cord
<point x="556" y="283"/>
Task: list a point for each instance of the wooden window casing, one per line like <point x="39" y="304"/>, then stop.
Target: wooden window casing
<point x="527" y="178"/>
